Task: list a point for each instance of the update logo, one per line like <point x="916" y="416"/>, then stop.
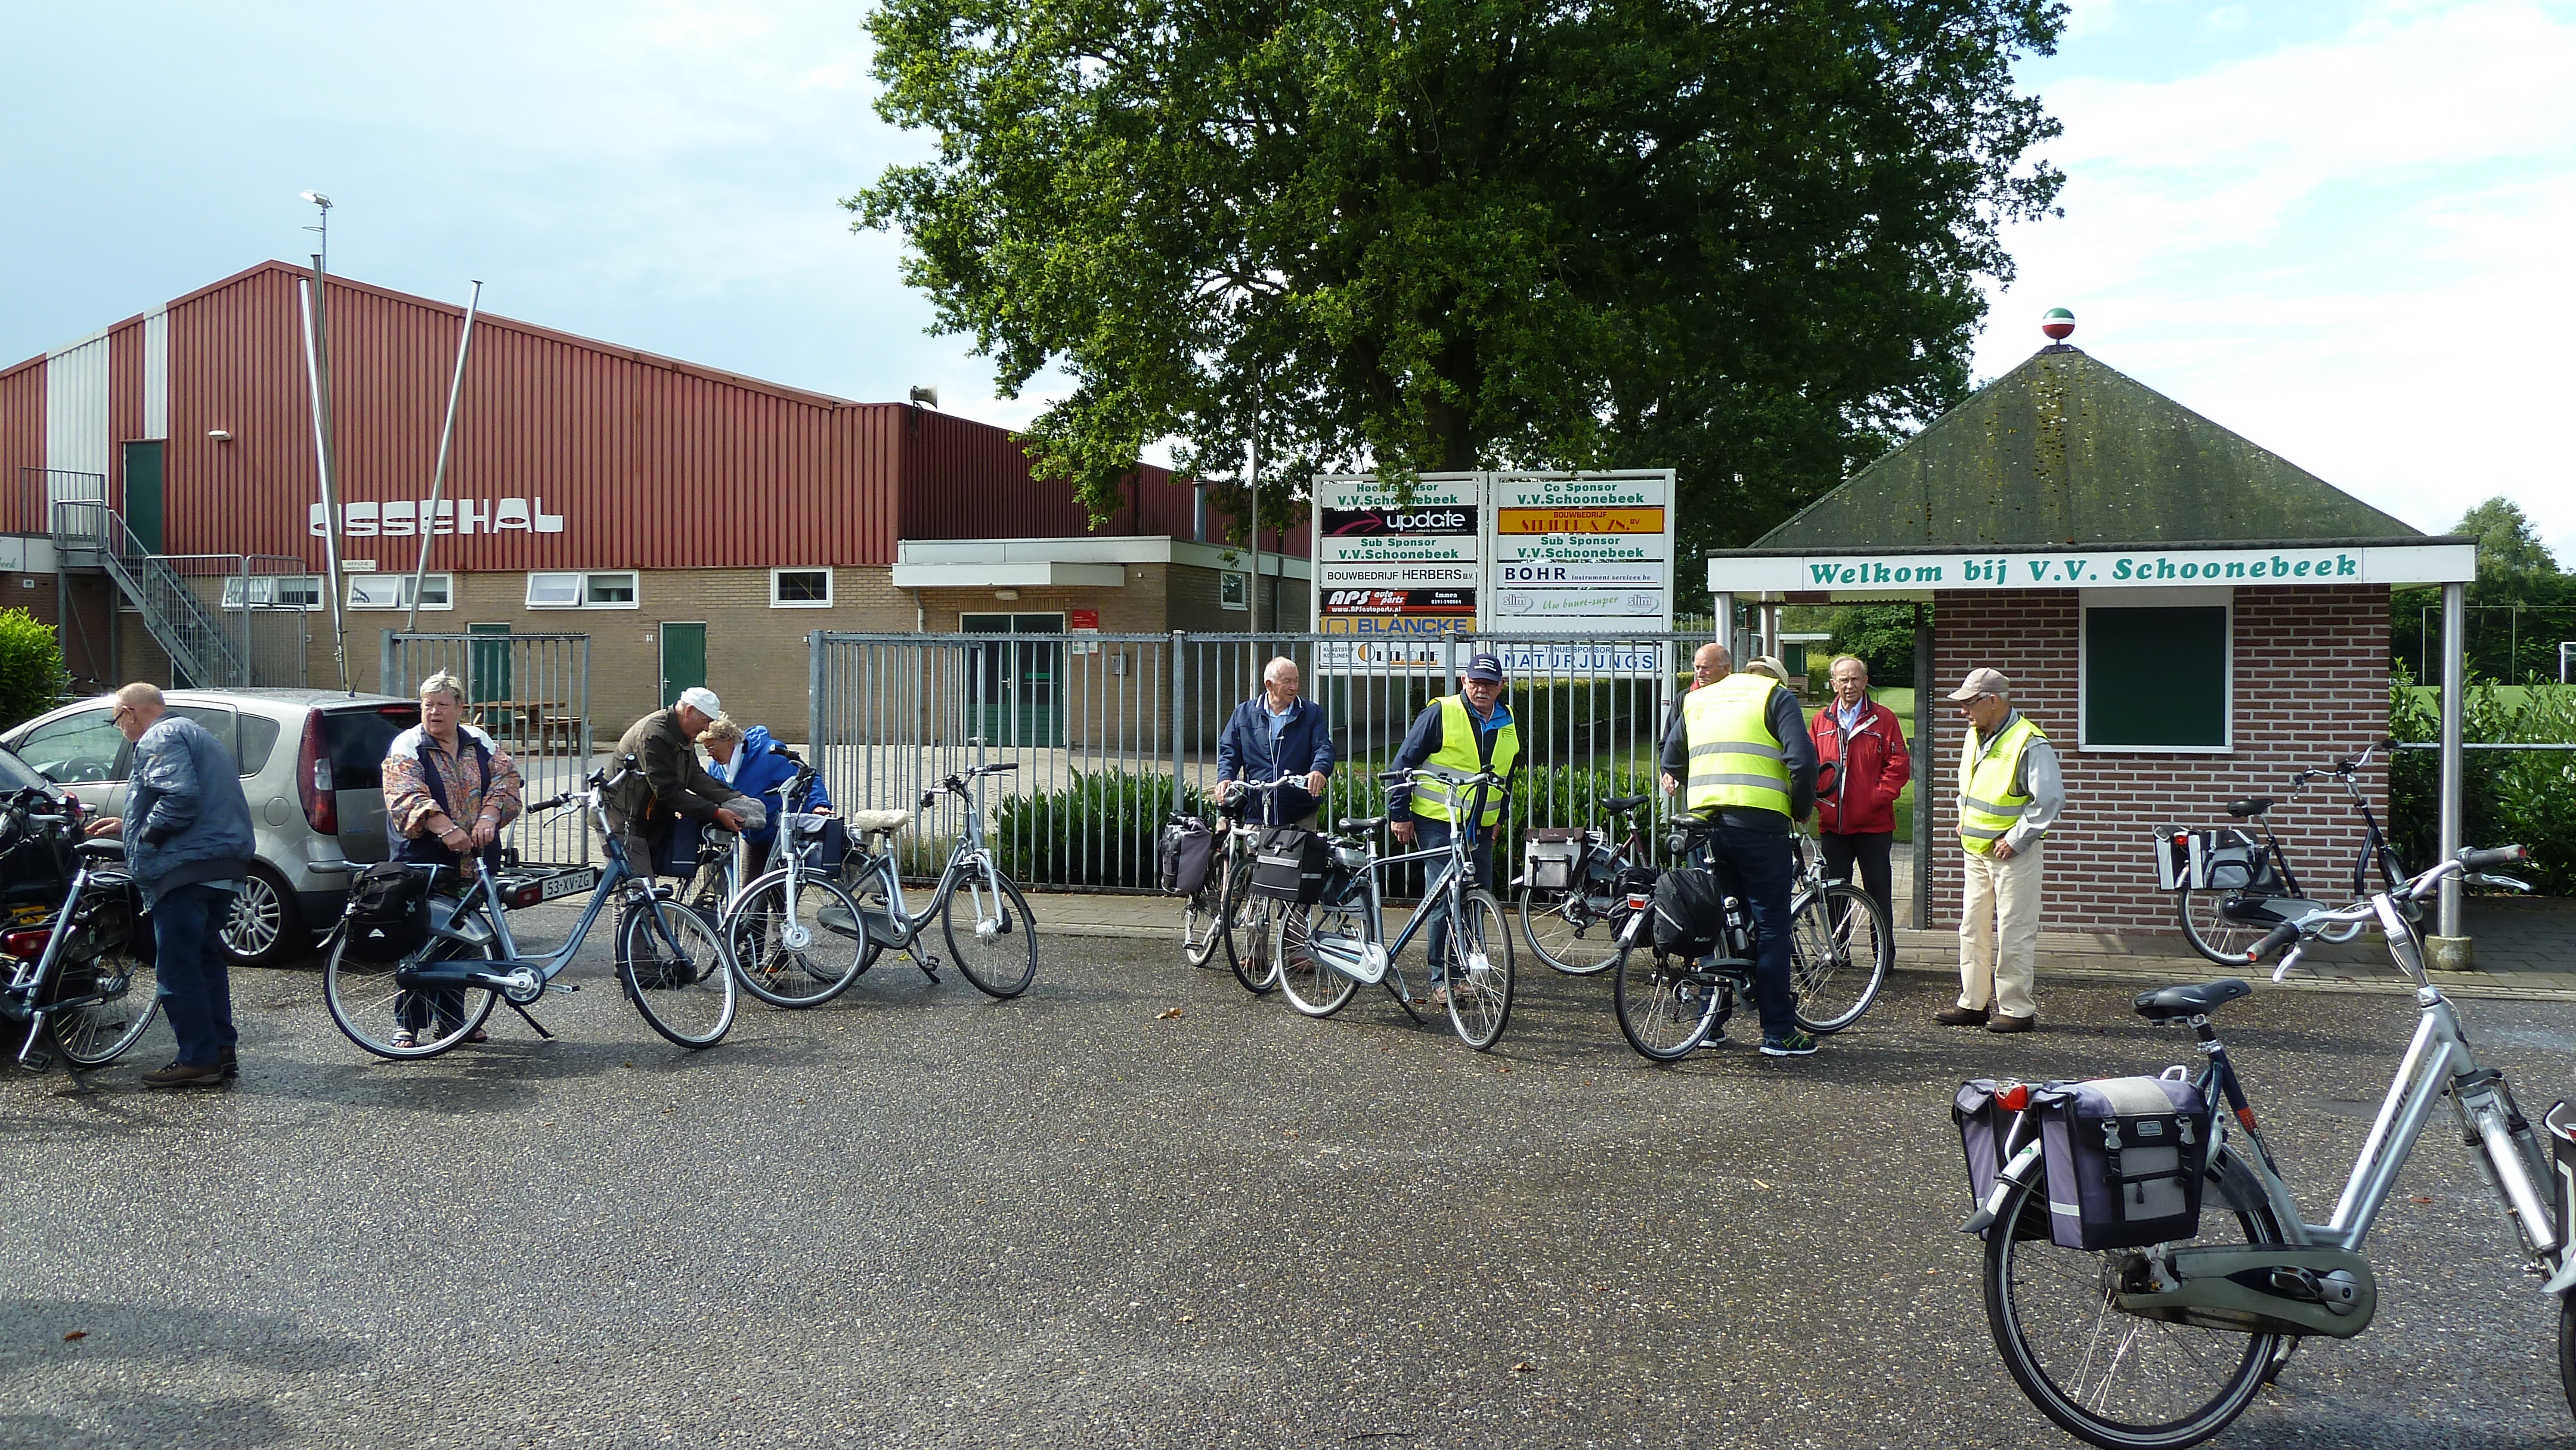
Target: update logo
<point x="1443" y="520"/>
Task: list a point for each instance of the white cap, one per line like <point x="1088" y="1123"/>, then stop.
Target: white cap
<point x="702" y="700"/>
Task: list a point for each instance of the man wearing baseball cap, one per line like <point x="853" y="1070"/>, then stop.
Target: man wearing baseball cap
<point x="1466" y="732"/>
<point x="669" y="782"/>
<point x="2010" y="793"/>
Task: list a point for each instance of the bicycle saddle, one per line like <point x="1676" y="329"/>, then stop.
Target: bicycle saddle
<point x="888" y="821"/>
<point x="108" y="850"/>
<point x="2254" y="805"/>
<point x="1360" y="825"/>
<point x="2166" y="1003"/>
<point x="1620" y="804"/>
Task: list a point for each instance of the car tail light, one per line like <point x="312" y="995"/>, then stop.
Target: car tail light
<point x="313" y="779"/>
<point x="26" y="944"/>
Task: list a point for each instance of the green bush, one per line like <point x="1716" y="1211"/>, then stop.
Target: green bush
<point x="31" y="667"/>
<point x="1098" y="831"/>
<point x="2518" y="797"/>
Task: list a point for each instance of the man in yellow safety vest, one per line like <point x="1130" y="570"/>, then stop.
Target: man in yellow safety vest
<point x="1466" y="732"/>
<point x="1742" y="758"/>
<point x="2010" y="793"/>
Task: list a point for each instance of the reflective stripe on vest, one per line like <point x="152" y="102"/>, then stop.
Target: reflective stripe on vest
<point x="1989" y="807"/>
<point x="1459" y="752"/>
<point x="1735" y="760"/>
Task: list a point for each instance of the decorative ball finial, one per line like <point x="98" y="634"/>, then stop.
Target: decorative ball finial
<point x="2058" y="323"/>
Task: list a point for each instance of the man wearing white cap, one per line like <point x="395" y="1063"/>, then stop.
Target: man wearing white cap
<point x="669" y="781"/>
<point x="2010" y="793"/>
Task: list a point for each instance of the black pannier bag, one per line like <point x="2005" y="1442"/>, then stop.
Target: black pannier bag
<point x="1690" y="913"/>
<point x="1289" y="865"/>
<point x="388" y="917"/>
<point x="1184" y="853"/>
<point x="2124" y="1157"/>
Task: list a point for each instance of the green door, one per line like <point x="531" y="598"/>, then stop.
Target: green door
<point x="487" y="666"/>
<point x="143" y="494"/>
<point x="684" y="660"/>
<point x="1018" y="700"/>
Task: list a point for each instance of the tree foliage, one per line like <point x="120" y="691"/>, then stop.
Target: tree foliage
<point x="1741" y="237"/>
<point x="2519" y="607"/>
<point x="2511" y="558"/>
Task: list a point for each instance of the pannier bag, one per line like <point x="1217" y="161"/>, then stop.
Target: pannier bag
<point x="2124" y="1157"/>
<point x="2216" y="860"/>
<point x="388" y="916"/>
<point x="1550" y="856"/>
<point x="823" y="839"/>
<point x="1984" y="1124"/>
<point x="1690" y="913"/>
<point x="1289" y="865"/>
<point x="1184" y="854"/>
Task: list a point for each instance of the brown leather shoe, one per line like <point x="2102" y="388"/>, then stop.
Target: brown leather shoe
<point x="180" y="1074"/>
<point x="2006" y="1022"/>
<point x="1956" y="1016"/>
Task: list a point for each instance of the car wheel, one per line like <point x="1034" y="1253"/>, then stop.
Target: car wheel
<point x="265" y="929"/>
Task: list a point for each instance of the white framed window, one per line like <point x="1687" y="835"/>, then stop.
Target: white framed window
<point x="614" y="589"/>
<point x="1234" y="591"/>
<point x="800" y="588"/>
<point x="393" y="591"/>
<point x="275" y="591"/>
<point x="2156" y="671"/>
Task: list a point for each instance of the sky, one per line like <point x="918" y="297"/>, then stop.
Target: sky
<point x="2318" y="224"/>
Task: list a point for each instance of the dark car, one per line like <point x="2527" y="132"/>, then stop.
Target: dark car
<point x="34" y="872"/>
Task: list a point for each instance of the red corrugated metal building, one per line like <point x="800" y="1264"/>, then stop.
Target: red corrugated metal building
<point x="592" y="489"/>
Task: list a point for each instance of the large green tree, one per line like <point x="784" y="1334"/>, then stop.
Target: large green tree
<point x="1742" y="237"/>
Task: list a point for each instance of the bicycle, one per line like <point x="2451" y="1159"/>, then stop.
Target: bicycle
<point x="84" y="976"/>
<point x="1576" y="928"/>
<point x="1234" y="916"/>
<point x="2220" y="921"/>
<point x="1329" y="950"/>
<point x="2163" y="1346"/>
<point x="998" y="948"/>
<point x="1841" y="947"/>
<point x="670" y="961"/>
<point x="793" y="932"/>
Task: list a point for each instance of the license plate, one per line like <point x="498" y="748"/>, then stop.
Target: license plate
<point x="570" y="883"/>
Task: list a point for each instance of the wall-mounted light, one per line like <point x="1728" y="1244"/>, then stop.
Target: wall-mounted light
<point x="1006" y="594"/>
<point x="219" y="435"/>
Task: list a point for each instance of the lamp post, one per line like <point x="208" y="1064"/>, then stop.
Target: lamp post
<point x="324" y="203"/>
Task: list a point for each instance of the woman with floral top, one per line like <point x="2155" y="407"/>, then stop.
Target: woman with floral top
<point x="448" y="792"/>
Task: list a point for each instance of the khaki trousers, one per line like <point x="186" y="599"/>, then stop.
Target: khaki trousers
<point x="1999" y="932"/>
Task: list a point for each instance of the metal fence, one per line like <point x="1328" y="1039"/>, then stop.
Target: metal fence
<point x="1112" y="732"/>
<point x="531" y="694"/>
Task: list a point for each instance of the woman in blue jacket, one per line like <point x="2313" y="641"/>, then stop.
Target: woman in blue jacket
<point x="754" y="763"/>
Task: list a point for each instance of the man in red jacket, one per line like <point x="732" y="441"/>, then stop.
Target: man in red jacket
<point x="1863" y="765"/>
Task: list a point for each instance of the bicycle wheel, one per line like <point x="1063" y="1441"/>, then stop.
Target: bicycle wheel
<point x="1251" y="945"/>
<point x="375" y="1013"/>
<point x="799" y="958"/>
<point x="1203" y="918"/>
<point x="2567" y="1347"/>
<point x="2212" y="935"/>
<point x="1664" y="1008"/>
<point x="993" y="941"/>
<point x="96" y="1033"/>
<point x="677" y="973"/>
<point x="1480" y="972"/>
<point x="1840" y="949"/>
<point x="1312" y="985"/>
<point x="1575" y="933"/>
<point x="2109" y="1378"/>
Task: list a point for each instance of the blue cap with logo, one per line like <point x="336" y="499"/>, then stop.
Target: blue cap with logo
<point x="1485" y="667"/>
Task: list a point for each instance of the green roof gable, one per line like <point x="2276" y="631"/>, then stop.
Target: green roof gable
<point x="2064" y="450"/>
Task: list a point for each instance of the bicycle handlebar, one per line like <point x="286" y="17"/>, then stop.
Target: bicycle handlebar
<point x="2273" y="940"/>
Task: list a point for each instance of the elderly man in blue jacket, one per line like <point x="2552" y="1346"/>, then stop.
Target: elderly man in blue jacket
<point x="1274" y="734"/>
<point x="189" y="847"/>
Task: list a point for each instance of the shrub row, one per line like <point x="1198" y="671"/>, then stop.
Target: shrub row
<point x="2511" y="796"/>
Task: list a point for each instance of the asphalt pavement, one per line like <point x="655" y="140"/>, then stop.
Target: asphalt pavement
<point x="1137" y="1207"/>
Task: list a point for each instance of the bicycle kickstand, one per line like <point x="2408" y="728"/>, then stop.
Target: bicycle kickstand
<point x="534" y="1025"/>
<point x="928" y="963"/>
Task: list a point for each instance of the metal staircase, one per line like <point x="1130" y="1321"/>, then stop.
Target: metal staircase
<point x="196" y="640"/>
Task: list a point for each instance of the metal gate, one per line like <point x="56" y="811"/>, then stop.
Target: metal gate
<point x="1135" y="719"/>
<point x="531" y="694"/>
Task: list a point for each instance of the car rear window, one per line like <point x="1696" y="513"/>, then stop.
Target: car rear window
<point x="258" y="738"/>
<point x="358" y="740"/>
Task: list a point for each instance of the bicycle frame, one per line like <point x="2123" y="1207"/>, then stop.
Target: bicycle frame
<point x="1444" y="893"/>
<point x="27" y="981"/>
<point x="902" y="927"/>
<point x="520" y="980"/>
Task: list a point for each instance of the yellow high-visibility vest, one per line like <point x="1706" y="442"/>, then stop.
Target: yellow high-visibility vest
<point x="1735" y="759"/>
<point x="1458" y="752"/>
<point x="1988" y="807"/>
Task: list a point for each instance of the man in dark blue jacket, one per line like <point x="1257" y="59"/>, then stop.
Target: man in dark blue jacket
<point x="1274" y="734"/>
<point x="188" y="840"/>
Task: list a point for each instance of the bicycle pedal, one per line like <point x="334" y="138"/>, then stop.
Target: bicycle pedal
<point x="37" y="1062"/>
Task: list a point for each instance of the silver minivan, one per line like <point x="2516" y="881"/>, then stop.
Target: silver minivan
<point x="312" y="766"/>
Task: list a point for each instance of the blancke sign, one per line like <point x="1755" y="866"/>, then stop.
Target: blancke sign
<point x="2122" y="569"/>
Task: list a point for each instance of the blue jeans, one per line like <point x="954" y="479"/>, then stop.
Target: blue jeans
<point x="196" y="993"/>
<point x="1765" y="878"/>
<point x="1431" y="835"/>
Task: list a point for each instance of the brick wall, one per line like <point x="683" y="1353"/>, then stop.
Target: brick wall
<point x="2311" y="683"/>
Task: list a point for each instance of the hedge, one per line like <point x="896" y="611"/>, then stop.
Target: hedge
<point x="32" y="677"/>
<point x="2510" y="796"/>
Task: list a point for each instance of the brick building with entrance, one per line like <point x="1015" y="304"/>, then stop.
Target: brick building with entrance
<point x="2190" y="618"/>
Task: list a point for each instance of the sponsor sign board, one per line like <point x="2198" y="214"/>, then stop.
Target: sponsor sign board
<point x="1389" y="565"/>
<point x="1418" y="602"/>
<point x="1580" y="553"/>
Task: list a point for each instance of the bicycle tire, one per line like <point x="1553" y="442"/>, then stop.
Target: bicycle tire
<point x="1202" y="924"/>
<point x="2134" y="1358"/>
<point x="1564" y="930"/>
<point x="1256" y="967"/>
<point x="1480" y="972"/>
<point x="1664" y="1008"/>
<point x="795" y="977"/>
<point x="1233" y="925"/>
<point x="2212" y="935"/>
<point x="1311" y="985"/>
<point x="1840" y="951"/>
<point x="100" y="1032"/>
<point x="2567" y="1347"/>
<point x="678" y="974"/>
<point x="1003" y="962"/>
<point x="370" y="1009"/>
